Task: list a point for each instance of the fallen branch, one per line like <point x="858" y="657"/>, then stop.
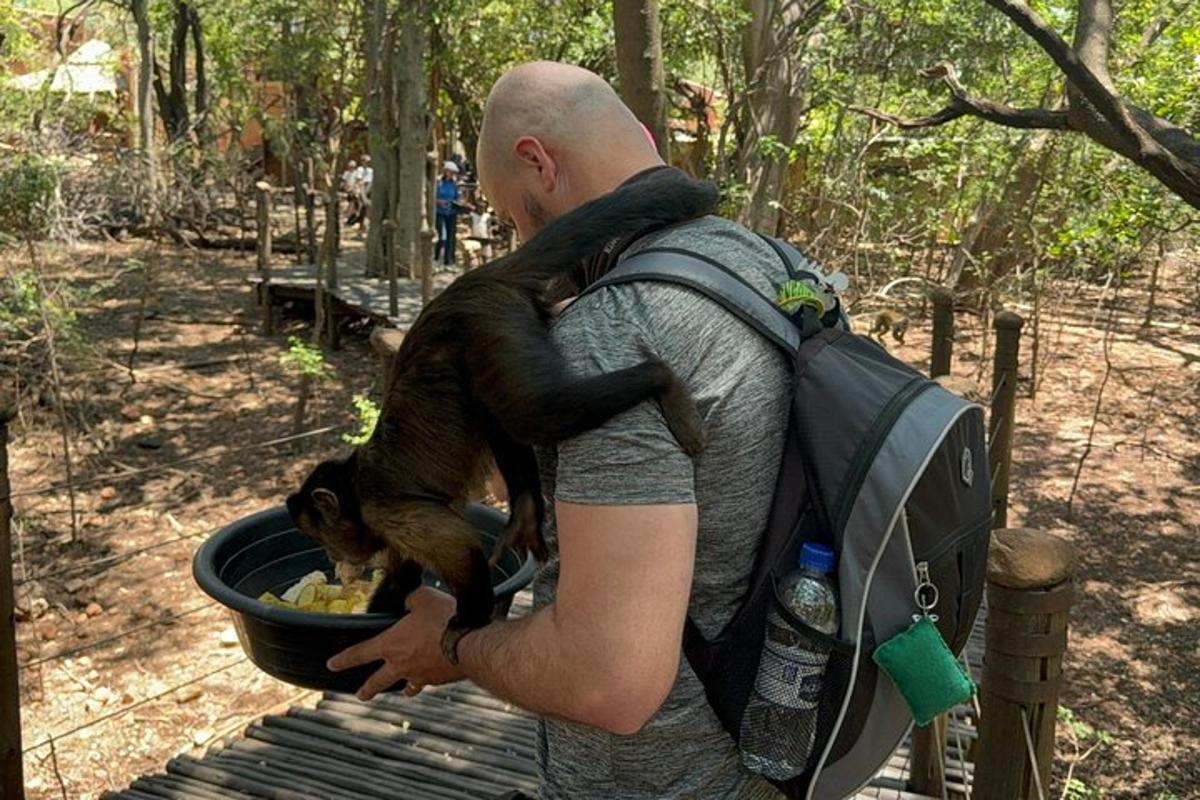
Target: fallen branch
<point x="1087" y="448"/>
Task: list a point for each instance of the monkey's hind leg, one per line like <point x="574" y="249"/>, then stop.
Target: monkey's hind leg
<point x="403" y="576"/>
<point x="518" y="466"/>
<point x="442" y="541"/>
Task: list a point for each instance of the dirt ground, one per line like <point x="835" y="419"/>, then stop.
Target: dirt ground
<point x="208" y="382"/>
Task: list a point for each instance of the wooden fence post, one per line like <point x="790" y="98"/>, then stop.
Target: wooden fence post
<point x="325" y="287"/>
<point x="262" y="207"/>
<point x="393" y="267"/>
<point x="1004" y="405"/>
<point x="12" y="782"/>
<point x="927" y="775"/>
<point x="1029" y="589"/>
<point x="943" y="332"/>
<point x="386" y="343"/>
<point x="310" y="223"/>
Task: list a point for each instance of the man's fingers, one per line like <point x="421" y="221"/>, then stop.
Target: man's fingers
<point x="357" y="655"/>
<point x="384" y="677"/>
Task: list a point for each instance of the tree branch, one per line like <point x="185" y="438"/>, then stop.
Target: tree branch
<point x="962" y="104"/>
<point x="1093" y="38"/>
<point x="1127" y="125"/>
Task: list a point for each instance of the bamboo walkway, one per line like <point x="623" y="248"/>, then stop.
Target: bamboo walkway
<point x="356" y="295"/>
<point x="449" y="743"/>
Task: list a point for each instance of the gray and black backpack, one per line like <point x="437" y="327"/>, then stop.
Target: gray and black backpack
<point x="881" y="464"/>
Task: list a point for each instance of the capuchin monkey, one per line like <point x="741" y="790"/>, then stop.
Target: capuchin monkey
<point x="890" y="320"/>
<point x="478" y="381"/>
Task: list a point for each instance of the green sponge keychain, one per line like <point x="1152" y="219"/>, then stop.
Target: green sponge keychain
<point x="927" y="675"/>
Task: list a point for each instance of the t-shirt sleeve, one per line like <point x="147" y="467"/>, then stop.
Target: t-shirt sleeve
<point x="632" y="459"/>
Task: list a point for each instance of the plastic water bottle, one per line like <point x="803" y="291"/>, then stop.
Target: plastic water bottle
<point x="779" y="725"/>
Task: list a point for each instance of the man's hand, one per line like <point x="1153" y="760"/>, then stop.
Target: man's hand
<point x="411" y="649"/>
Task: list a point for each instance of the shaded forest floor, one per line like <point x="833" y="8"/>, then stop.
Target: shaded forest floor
<point x="1135" y="520"/>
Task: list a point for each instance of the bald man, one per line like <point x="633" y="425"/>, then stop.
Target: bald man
<point x="641" y="537"/>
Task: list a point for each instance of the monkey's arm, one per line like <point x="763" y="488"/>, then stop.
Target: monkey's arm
<point x="606" y="652"/>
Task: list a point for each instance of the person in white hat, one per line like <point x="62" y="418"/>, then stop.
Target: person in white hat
<point x="447" y="209"/>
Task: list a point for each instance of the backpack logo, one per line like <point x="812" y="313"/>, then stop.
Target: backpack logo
<point x="966" y="467"/>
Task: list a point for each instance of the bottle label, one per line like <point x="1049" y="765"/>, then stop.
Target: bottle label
<point x="789" y="674"/>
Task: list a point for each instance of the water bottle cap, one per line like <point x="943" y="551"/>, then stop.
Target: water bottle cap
<point x="817" y="556"/>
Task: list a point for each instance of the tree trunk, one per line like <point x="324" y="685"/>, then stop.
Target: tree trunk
<point x="200" y="100"/>
<point x="776" y="83"/>
<point x="638" y="34"/>
<point x="172" y="96"/>
<point x="414" y="134"/>
<point x="145" y="105"/>
<point x="382" y="136"/>
<point x="395" y="48"/>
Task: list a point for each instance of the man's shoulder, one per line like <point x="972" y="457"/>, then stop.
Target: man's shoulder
<point x="674" y="318"/>
<point x="732" y="245"/>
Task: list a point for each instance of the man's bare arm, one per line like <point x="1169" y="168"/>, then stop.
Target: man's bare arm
<point x="606" y="652"/>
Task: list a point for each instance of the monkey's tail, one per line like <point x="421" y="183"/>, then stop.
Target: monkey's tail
<point x="664" y="197"/>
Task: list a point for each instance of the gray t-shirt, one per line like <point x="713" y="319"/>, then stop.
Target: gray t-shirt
<point x="739" y="381"/>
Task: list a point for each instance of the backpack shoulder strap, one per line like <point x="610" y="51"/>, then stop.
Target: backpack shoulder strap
<point x="714" y="281"/>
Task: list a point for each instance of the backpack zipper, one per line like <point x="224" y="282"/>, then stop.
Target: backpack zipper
<point x="869" y="448"/>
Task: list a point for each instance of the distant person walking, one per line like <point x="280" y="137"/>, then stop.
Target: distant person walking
<point x="350" y="189"/>
<point x="481" y="228"/>
<point x="447" y="210"/>
<point x="363" y="178"/>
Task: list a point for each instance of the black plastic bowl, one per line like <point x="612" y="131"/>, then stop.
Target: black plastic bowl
<point x="265" y="552"/>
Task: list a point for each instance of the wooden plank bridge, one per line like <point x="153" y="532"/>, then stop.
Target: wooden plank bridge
<point x="354" y="296"/>
<point x="454" y="742"/>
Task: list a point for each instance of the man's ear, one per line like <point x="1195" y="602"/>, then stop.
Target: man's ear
<point x="327" y="504"/>
<point x="530" y="151"/>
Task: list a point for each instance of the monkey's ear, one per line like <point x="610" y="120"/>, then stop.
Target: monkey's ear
<point x="327" y="504"/>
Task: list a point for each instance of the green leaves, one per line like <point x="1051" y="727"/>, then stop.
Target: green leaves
<point x="367" y="412"/>
<point x="305" y="359"/>
<point x="29" y="185"/>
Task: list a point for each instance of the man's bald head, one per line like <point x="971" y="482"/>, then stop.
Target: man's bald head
<point x="560" y="131"/>
<point x="560" y="104"/>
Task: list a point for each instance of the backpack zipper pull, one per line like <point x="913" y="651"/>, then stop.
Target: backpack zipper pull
<point x="926" y="593"/>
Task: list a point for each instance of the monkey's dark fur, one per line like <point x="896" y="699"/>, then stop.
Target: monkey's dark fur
<point x="475" y="379"/>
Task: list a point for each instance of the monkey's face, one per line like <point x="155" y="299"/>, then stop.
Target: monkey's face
<point x="326" y="509"/>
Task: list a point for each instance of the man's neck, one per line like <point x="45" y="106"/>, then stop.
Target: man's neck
<point x="593" y="183"/>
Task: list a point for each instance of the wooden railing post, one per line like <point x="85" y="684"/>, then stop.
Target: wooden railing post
<point x="1004" y="404"/>
<point x="1029" y="592"/>
<point x="943" y="332"/>
<point x="262" y="207"/>
<point x="12" y="783"/>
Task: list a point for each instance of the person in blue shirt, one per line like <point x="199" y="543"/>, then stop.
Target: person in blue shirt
<point x="447" y="208"/>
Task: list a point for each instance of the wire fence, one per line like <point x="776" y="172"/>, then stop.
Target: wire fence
<point x="104" y="563"/>
<point x="192" y="459"/>
<point x="71" y="652"/>
<point x="136" y="704"/>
